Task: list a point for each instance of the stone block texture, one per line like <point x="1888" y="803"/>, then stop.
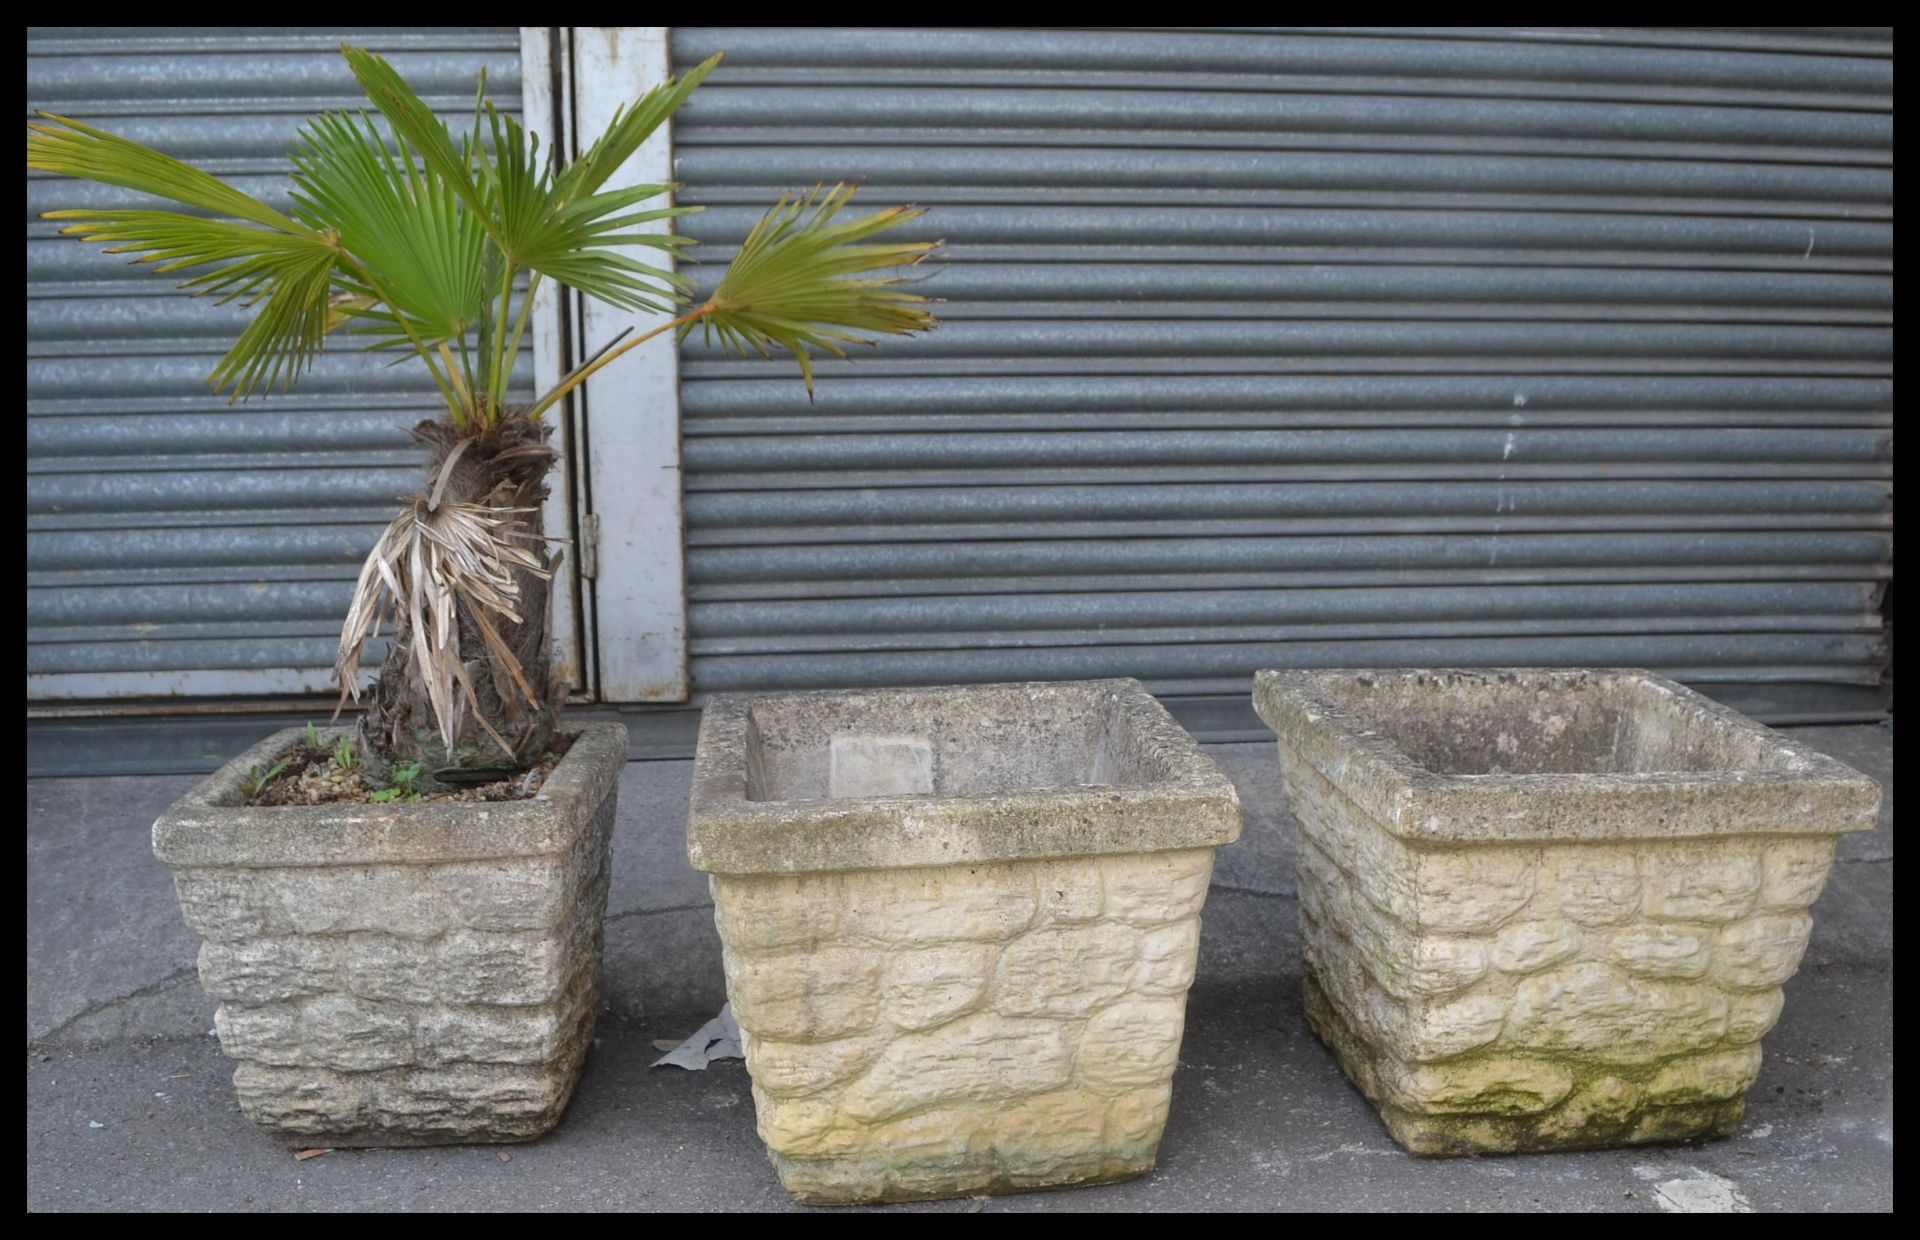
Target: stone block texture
<point x="918" y="1028"/>
<point x="1566" y="922"/>
<point x="404" y="974"/>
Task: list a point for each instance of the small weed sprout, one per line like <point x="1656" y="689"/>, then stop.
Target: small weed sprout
<point x="399" y="785"/>
<point x="254" y="782"/>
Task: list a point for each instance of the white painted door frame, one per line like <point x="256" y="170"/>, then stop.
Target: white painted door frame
<point x="621" y="490"/>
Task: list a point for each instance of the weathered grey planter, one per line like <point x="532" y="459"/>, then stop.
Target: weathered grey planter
<point x="1549" y="909"/>
<point x="959" y="927"/>
<point x="403" y="974"/>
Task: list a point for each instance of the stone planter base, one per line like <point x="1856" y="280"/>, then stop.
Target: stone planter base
<point x="404" y="974"/>
<point x="944" y="1031"/>
<point x="959" y="928"/>
<point x="1549" y="910"/>
<point x="1611" y="1109"/>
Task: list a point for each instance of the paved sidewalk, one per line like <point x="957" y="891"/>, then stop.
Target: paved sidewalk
<point x="130" y="1107"/>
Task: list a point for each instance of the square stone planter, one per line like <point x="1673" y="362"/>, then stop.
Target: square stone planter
<point x="959" y="927"/>
<point x="1549" y="910"/>
<point x="401" y="974"/>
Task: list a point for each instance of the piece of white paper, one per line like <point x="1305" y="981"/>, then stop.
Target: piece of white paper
<point x="719" y="1038"/>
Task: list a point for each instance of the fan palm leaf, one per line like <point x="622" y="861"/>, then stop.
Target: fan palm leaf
<point x="416" y="250"/>
<point x="556" y="224"/>
<point x="572" y="241"/>
<point x="792" y="283"/>
<point x="66" y="146"/>
<point x="286" y="267"/>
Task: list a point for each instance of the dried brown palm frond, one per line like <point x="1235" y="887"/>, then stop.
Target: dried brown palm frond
<point x="436" y="560"/>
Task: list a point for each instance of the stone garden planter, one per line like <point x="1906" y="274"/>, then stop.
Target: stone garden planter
<point x="1549" y="909"/>
<point x="401" y="974"/>
<point x="959" y="927"/>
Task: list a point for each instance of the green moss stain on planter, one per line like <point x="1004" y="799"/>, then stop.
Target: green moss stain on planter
<point x="960" y="1029"/>
<point x="959" y="928"/>
<point x="1566" y="923"/>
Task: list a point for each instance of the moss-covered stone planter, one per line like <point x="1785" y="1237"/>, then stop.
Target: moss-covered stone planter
<point x="959" y="927"/>
<point x="1549" y="910"/>
<point x="401" y="974"/>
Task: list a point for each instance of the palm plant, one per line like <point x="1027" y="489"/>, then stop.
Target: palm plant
<point x="418" y="240"/>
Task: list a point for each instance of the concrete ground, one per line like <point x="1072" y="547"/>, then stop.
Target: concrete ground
<point x="129" y="1105"/>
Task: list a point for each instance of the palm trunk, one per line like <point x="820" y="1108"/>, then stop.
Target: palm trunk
<point x="504" y="466"/>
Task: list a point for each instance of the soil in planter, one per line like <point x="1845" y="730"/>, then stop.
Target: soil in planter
<point x="314" y="776"/>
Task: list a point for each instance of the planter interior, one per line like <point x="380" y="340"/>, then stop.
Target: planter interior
<point x="1549" y="909"/>
<point x="401" y="974"/>
<point x="840" y="747"/>
<point x="959" y="927"/>
<point x="1470" y="724"/>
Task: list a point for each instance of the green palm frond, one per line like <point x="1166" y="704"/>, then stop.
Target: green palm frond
<point x="577" y="248"/>
<point x="244" y="257"/>
<point x="793" y="284"/>
<point x="419" y="238"/>
<point x="416" y="125"/>
<point x="72" y="149"/>
<point x="557" y="225"/>
<point x="630" y="128"/>
<point x="413" y="246"/>
<point x="573" y="241"/>
<point x="287" y="331"/>
<point x="515" y="185"/>
<point x="282" y="265"/>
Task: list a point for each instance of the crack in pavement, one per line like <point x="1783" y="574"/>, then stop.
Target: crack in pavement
<point x="151" y="988"/>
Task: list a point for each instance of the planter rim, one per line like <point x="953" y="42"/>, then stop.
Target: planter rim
<point x="728" y="833"/>
<point x="208" y="826"/>
<point x="1821" y="797"/>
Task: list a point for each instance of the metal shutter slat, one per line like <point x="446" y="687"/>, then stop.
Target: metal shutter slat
<point x="1310" y="348"/>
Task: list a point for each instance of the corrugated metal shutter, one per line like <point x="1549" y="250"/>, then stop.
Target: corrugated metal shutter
<point x="1311" y="348"/>
<point x="176" y="544"/>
